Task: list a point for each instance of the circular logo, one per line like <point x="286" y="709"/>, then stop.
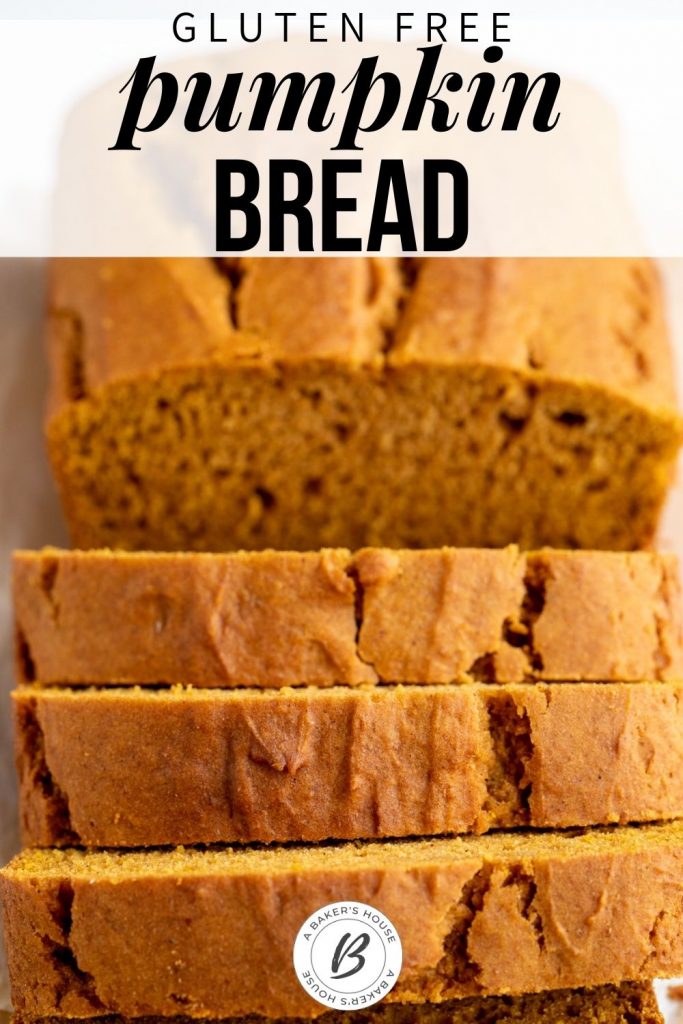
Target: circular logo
<point x="347" y="955"/>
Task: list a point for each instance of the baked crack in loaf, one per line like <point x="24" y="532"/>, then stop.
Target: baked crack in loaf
<point x="97" y="932"/>
<point x="629" y="1003"/>
<point x="298" y="403"/>
<point x="273" y="619"/>
<point x="139" y="767"/>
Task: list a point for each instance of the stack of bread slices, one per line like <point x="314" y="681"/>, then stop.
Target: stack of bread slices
<point x="398" y="695"/>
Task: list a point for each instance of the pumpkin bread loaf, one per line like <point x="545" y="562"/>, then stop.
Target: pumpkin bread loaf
<point x="273" y="619"/>
<point x="629" y="1003"/>
<point x="97" y="932"/>
<point x="302" y="403"/>
<point x="142" y="767"/>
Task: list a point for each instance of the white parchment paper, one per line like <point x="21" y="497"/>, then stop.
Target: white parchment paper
<point x="30" y="515"/>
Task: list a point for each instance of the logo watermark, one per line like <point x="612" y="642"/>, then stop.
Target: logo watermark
<point x="347" y="955"/>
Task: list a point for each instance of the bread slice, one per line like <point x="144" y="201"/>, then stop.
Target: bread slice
<point x="132" y="767"/>
<point x="272" y="619"/>
<point x="298" y="403"/>
<point x="628" y="1003"/>
<point x="209" y="932"/>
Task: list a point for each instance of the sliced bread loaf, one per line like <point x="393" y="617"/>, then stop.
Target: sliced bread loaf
<point x="272" y="619"/>
<point x="96" y="932"/>
<point x="297" y="403"/>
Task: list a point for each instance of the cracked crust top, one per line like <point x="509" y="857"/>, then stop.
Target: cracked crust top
<point x="272" y="619"/>
<point x="300" y="403"/>
<point x="592" y="320"/>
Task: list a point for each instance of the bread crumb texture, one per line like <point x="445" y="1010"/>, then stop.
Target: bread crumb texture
<point x="297" y="403"/>
<point x="273" y="619"/>
<point x="96" y="932"/>
<point x="629" y="1003"/>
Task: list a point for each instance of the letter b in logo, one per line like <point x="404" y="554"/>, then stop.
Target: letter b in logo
<point x="346" y="955"/>
<point x="349" y="948"/>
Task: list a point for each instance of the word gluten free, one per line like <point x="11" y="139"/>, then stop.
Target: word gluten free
<point x="311" y="200"/>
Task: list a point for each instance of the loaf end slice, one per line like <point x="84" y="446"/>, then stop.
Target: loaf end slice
<point x="293" y="403"/>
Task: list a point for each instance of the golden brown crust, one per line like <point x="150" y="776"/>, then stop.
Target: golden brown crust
<point x="334" y="308"/>
<point x="117" y="768"/>
<point x="245" y="619"/>
<point x="139" y="317"/>
<point x="125" y="317"/>
<point x="599" y="320"/>
<point x="296" y="403"/>
<point x="91" y="933"/>
<point x="435" y="616"/>
<point x="581" y="319"/>
<point x="273" y="619"/>
<point x="628" y="1003"/>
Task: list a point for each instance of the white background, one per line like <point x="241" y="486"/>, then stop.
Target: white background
<point x="630" y="50"/>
